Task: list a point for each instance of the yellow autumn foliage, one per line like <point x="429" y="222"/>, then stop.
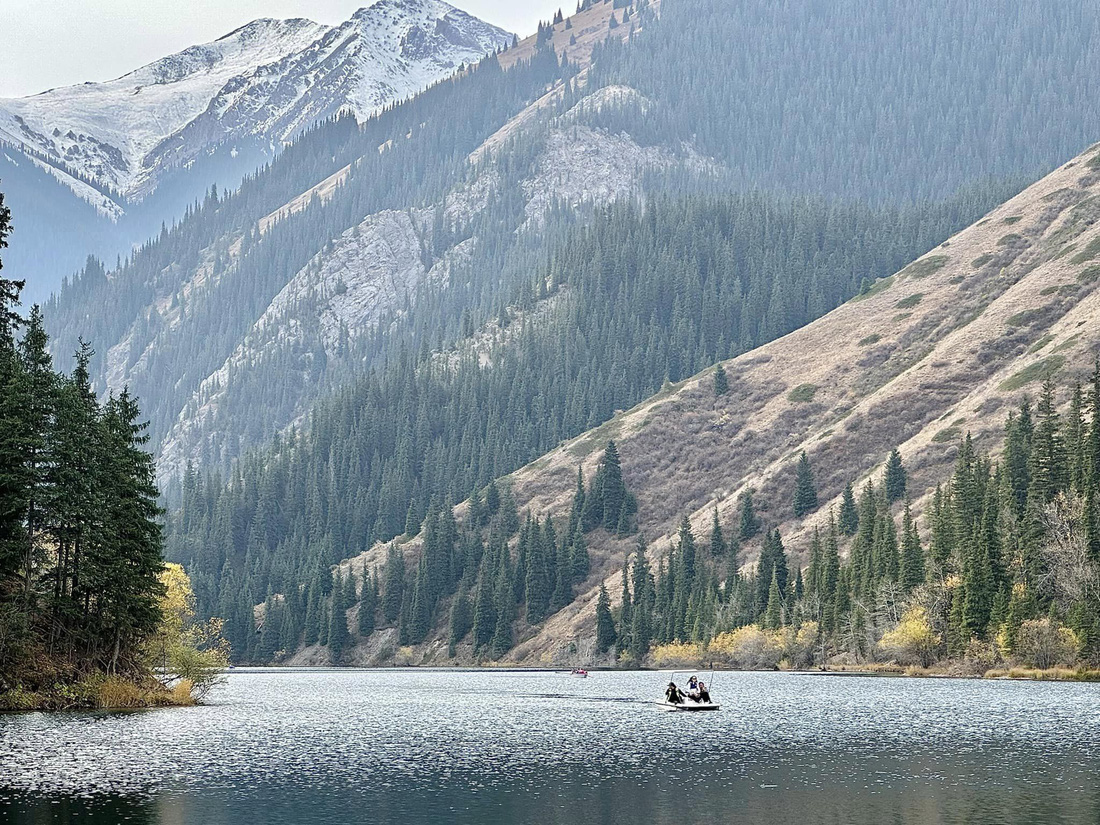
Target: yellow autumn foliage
<point x="186" y="652"/>
<point x="750" y="648"/>
<point x="913" y="641"/>
<point x="679" y="654"/>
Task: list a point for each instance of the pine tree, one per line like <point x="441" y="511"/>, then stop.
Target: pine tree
<point x="579" y="559"/>
<point x="773" y="613"/>
<point x="895" y="479"/>
<point x="461" y="621"/>
<point x="605" y="623"/>
<point x="338" y="622"/>
<point x="912" y="554"/>
<point x="717" y="542"/>
<point x="749" y="523"/>
<point x="805" y="493"/>
<point x="721" y="382"/>
<point x="368" y="606"/>
<point x="848" y="521"/>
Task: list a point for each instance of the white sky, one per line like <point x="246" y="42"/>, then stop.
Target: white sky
<point x="48" y="43"/>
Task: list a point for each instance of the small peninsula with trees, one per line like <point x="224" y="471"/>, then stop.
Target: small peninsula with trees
<point x="90" y="616"/>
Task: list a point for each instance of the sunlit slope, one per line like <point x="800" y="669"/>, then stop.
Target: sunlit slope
<point x="946" y="346"/>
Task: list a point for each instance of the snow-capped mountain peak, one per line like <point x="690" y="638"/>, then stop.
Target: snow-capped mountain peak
<point x="266" y="81"/>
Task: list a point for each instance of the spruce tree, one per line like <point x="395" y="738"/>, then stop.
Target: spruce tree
<point x="538" y="585"/>
<point x="338" y="623"/>
<point x="393" y="593"/>
<point x="717" y="542"/>
<point x="605" y="623"/>
<point x="773" y="613"/>
<point x="485" y="608"/>
<point x="368" y="605"/>
<point x="612" y="488"/>
<point x="502" y="633"/>
<point x="749" y="523"/>
<point x="721" y="382"/>
<point x="848" y="521"/>
<point x="895" y="479"/>
<point x="580" y="563"/>
<point x="461" y="621"/>
<point x="805" y="493"/>
<point x="626" y="609"/>
<point x="912" y="554"/>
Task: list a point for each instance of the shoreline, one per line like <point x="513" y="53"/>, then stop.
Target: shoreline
<point x="893" y="671"/>
<point x="98" y="693"/>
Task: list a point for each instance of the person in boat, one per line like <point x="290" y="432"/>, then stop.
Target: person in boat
<point x="703" y="693"/>
<point x="673" y="695"/>
<point x="693" y="689"/>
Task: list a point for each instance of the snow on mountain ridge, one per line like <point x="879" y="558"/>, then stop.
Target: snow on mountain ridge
<point x="268" y="80"/>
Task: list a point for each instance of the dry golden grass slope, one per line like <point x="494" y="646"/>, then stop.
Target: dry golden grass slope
<point x="948" y="345"/>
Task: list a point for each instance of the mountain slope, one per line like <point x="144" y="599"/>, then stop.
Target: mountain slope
<point x="948" y="345"/>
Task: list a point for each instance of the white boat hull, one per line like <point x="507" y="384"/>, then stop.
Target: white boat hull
<point x="687" y="707"/>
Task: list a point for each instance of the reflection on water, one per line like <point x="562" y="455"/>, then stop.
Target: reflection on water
<point x="440" y="747"/>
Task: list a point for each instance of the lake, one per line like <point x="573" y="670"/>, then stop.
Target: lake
<point x="400" y="746"/>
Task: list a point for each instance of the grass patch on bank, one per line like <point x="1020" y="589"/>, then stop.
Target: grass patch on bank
<point x="1042" y="342"/>
<point x="1054" y="674"/>
<point x="100" y="693"/>
<point x="869" y="340"/>
<point x="1022" y="319"/>
<point x="981" y="260"/>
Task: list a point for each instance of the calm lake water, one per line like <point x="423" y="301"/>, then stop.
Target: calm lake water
<point x="444" y="747"/>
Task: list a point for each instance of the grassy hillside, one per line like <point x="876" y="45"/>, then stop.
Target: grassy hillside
<point x="946" y="346"/>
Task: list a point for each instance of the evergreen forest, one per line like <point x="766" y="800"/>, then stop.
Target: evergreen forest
<point x="80" y="521"/>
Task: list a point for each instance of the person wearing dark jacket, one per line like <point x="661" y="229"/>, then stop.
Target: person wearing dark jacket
<point x="673" y="695"/>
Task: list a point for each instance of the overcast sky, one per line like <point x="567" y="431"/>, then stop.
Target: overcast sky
<point x="48" y="43"/>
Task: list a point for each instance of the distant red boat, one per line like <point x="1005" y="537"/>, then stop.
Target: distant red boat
<point x="579" y="672"/>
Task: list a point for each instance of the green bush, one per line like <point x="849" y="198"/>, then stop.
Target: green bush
<point x="926" y="266"/>
<point x="1039" y="371"/>
<point x="910" y="302"/>
<point x="803" y="393"/>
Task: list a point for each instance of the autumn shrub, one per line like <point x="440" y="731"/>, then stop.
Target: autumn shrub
<point x="1045" y="643"/>
<point x="679" y="654"/>
<point x="799" y="644"/>
<point x="750" y="648"/>
<point x="913" y="642"/>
